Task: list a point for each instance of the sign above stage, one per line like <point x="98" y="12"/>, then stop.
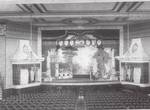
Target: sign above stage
<point x="78" y="40"/>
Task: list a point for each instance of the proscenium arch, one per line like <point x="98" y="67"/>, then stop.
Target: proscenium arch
<point x="120" y="28"/>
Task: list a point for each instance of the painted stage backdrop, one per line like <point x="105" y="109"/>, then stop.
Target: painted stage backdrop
<point x="81" y="58"/>
<point x="93" y="61"/>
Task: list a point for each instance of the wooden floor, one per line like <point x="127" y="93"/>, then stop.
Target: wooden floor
<point x="77" y="82"/>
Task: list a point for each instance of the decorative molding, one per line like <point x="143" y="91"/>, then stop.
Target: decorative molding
<point x="80" y="27"/>
<point x="77" y="15"/>
<point x="80" y="21"/>
<point x="25" y="54"/>
<point x="60" y="1"/>
<point x="2" y="29"/>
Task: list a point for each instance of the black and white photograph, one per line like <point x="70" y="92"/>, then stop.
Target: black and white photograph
<point x="74" y="54"/>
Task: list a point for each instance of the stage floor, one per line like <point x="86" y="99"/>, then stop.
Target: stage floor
<point x="80" y="82"/>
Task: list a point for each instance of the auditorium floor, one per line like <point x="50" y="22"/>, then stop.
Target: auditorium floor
<point x="88" y="98"/>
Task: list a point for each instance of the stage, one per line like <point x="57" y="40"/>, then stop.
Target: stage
<point x="80" y="82"/>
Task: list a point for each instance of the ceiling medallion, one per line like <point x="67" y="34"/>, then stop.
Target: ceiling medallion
<point x="80" y="21"/>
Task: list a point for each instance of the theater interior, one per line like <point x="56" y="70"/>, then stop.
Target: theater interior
<point x="74" y="55"/>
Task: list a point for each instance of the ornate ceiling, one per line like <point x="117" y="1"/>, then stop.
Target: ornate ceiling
<point x="82" y="13"/>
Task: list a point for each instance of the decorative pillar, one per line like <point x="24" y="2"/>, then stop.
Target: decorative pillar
<point x="2" y="58"/>
<point x="121" y="42"/>
<point x="39" y="49"/>
<point x="57" y="70"/>
<point x="48" y="65"/>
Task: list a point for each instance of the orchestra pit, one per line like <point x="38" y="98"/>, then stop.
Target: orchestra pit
<point x="74" y="55"/>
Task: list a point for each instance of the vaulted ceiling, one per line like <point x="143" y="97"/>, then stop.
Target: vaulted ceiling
<point x="79" y="14"/>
